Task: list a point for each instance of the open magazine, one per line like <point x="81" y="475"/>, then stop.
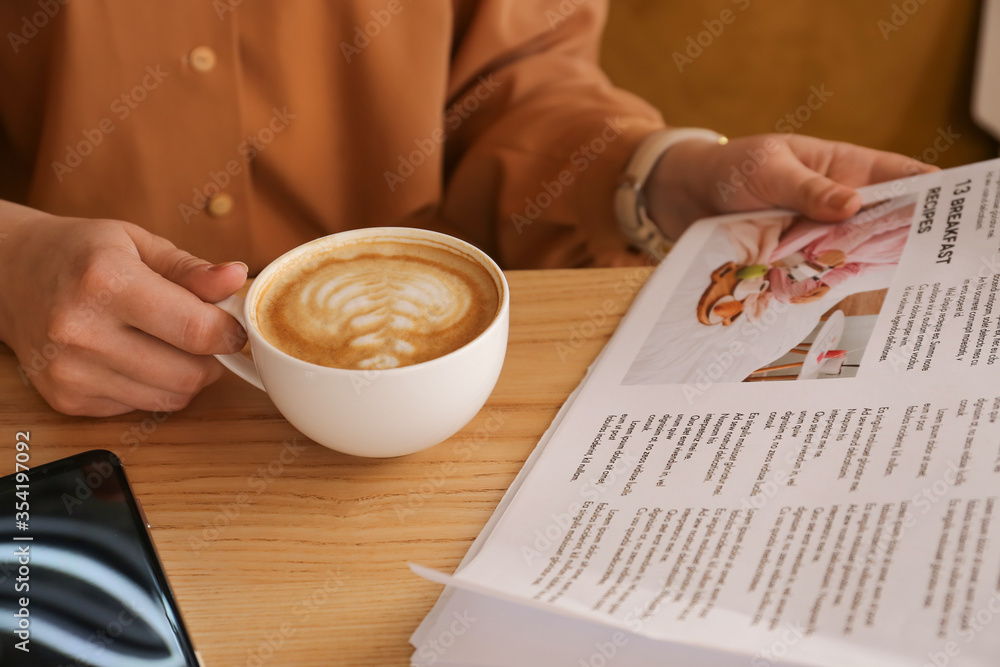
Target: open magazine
<point x="788" y="453"/>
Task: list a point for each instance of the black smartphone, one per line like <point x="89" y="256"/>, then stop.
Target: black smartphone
<point x="80" y="582"/>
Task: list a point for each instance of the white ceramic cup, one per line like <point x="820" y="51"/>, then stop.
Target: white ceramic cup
<point x="375" y="413"/>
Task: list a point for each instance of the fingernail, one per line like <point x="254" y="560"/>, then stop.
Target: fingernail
<point x="219" y="267"/>
<point x="840" y="199"/>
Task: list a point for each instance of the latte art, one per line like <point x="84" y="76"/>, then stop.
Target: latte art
<point x="377" y="312"/>
<point x="397" y="306"/>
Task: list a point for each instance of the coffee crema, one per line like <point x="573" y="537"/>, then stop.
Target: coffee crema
<point x="377" y="305"/>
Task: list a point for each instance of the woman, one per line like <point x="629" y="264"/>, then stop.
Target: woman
<point x="142" y="145"/>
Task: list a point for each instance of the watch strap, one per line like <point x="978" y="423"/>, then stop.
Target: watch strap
<point x="630" y="205"/>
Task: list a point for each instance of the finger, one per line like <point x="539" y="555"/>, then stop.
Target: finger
<point x="85" y="386"/>
<point x="854" y="165"/>
<point x="163" y="309"/>
<point x="209" y="282"/>
<point x="154" y="363"/>
<point x="95" y="407"/>
<point x="791" y="184"/>
<point x="892" y="166"/>
<point x="70" y="402"/>
<point x="169" y="312"/>
<point x="214" y="283"/>
<point x="119" y="389"/>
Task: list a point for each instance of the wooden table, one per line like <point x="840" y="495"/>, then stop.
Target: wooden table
<point x="282" y="552"/>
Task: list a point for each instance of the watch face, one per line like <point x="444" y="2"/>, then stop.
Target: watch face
<point x="80" y="584"/>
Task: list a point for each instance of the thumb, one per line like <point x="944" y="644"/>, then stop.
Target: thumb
<point x="796" y="186"/>
<point x="209" y="282"/>
<point x="214" y="282"/>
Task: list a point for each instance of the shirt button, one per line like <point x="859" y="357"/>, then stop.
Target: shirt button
<point x="202" y="59"/>
<point x="220" y="205"/>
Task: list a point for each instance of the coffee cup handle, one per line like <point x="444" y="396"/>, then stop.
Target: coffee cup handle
<point x="238" y="362"/>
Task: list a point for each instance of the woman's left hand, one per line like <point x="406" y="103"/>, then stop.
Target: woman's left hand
<point x="697" y="178"/>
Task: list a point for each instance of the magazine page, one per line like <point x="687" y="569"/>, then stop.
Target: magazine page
<point x="789" y="446"/>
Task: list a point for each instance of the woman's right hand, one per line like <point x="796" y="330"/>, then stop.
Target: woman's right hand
<point x="106" y="318"/>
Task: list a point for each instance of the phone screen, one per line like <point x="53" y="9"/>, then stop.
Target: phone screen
<point x="80" y="583"/>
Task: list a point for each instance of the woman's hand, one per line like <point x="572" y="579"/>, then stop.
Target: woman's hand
<point x="106" y="318"/>
<point x="696" y="178"/>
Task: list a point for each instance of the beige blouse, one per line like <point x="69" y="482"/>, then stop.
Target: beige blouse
<point x="240" y="129"/>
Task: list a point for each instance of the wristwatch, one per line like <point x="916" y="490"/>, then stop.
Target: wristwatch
<point x="630" y="205"/>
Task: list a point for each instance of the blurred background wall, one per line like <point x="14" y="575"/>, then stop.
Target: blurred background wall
<point x="891" y="74"/>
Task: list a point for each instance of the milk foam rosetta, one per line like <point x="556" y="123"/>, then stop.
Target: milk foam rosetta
<point x="390" y="305"/>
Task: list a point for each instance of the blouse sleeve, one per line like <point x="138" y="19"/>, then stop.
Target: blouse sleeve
<point x="537" y="135"/>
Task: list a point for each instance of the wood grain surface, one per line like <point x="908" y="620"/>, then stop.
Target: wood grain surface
<point x="282" y="552"/>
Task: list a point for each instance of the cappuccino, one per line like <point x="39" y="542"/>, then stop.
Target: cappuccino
<point x="377" y="304"/>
